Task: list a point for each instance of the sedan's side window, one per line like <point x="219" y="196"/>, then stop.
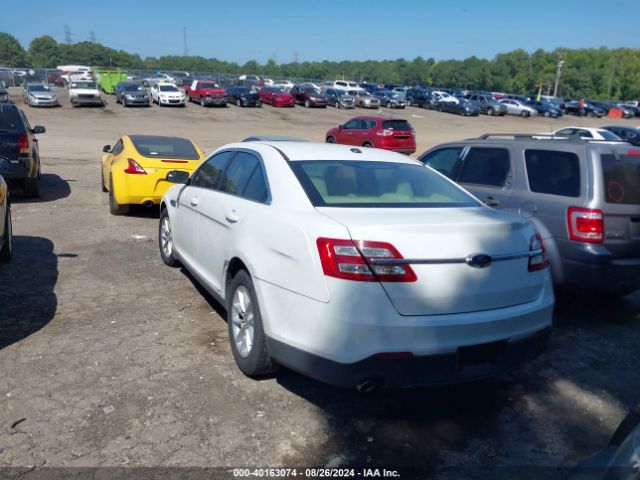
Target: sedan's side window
<point x="485" y="166"/>
<point x="245" y="178"/>
<point x="444" y="160"/>
<point x="208" y="175"/>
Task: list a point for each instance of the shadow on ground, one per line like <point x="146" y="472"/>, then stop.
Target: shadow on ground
<point x="52" y="188"/>
<point x="27" y="298"/>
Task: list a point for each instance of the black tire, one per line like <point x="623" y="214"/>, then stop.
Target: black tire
<point x="104" y="189"/>
<point x="337" y="105"/>
<point x="202" y="102"/>
<point x="7" y="244"/>
<point x="114" y="207"/>
<point x="256" y="360"/>
<point x="330" y="140"/>
<point x="547" y="114"/>
<point x="31" y="187"/>
<point x="409" y="102"/>
<point x="524" y="113"/>
<point x="367" y="145"/>
<point x="591" y="114"/>
<point x="165" y="240"/>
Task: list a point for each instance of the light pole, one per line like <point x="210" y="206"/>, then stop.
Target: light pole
<point x="558" y="70"/>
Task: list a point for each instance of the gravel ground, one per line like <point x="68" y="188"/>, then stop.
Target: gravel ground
<point x="113" y="359"/>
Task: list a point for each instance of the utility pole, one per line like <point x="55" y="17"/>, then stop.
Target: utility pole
<point x="184" y="41"/>
<point x="92" y="36"/>
<point x="67" y="35"/>
<point x="558" y="71"/>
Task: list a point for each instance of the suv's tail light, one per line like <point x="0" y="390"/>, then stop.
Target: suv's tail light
<point x="585" y="224"/>
<point x="537" y="262"/>
<point x="384" y="132"/>
<point x="134" y="168"/>
<point x="351" y="260"/>
<point x="23" y="146"/>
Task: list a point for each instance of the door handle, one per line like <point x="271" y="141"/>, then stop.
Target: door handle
<point x="232" y="216"/>
<point x="194" y="202"/>
<point x="491" y="202"/>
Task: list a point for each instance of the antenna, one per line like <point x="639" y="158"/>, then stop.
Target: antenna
<point x="184" y="40"/>
<point x="92" y="36"/>
<point x="67" y="35"/>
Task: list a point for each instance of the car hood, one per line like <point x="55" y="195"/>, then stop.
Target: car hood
<point x="93" y="91"/>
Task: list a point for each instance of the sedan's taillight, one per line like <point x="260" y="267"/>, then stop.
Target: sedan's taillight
<point x="352" y="260"/>
<point x="539" y="261"/>
<point x="585" y="225"/>
<point x="23" y="146"/>
<point x="134" y="168"/>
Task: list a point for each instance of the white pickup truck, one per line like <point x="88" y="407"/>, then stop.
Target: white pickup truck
<point x="84" y="92"/>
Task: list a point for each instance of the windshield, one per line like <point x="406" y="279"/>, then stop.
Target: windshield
<point x="91" y="85"/>
<point x="621" y="176"/>
<point x="133" y="88"/>
<point x="39" y="88"/>
<point x="338" y="183"/>
<point x="164" y="147"/>
<point x="168" y="88"/>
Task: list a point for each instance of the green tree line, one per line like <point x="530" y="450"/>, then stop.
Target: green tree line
<point x="598" y="73"/>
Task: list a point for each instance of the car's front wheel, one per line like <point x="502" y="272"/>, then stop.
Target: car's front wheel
<point x="7" y="244"/>
<point x="165" y="240"/>
<point x="331" y="140"/>
<point x="246" y="333"/>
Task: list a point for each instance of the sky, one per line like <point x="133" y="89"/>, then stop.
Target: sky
<point x="302" y="30"/>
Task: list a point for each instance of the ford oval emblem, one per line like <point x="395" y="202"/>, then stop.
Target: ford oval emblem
<point x="478" y="260"/>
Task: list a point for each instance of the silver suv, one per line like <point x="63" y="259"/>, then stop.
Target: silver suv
<point x="583" y="195"/>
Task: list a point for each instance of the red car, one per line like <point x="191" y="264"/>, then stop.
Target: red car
<point x="394" y="134"/>
<point x="277" y="97"/>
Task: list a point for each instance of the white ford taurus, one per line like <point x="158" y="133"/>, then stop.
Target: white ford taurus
<point x="357" y="267"/>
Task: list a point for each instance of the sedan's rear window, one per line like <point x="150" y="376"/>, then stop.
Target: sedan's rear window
<point x="165" y="147"/>
<point x="338" y="183"/>
<point x="397" y="125"/>
<point x="621" y="175"/>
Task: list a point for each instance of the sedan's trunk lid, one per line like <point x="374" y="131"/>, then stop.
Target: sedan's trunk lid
<point x="450" y="235"/>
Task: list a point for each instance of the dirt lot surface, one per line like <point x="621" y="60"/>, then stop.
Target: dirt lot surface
<point x="113" y="359"/>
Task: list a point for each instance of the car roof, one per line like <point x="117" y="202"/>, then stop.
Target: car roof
<point x="302" y="151"/>
<point x="274" y="138"/>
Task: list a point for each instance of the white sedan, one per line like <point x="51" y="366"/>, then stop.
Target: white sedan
<point x="167" y="94"/>
<point x="588" y="132"/>
<point x="357" y="267"/>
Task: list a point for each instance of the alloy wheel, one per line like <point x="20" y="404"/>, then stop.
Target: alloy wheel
<point x="242" y="321"/>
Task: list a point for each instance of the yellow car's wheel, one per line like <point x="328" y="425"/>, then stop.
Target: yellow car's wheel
<point x="114" y="207"/>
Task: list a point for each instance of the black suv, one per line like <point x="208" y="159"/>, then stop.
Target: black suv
<point x="19" y="149"/>
<point x="419" y="97"/>
<point x="243" y="97"/>
<point x="582" y="195"/>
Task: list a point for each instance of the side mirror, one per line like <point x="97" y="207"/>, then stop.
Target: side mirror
<point x="106" y="149"/>
<point x="39" y="129"/>
<point x="339" y="127"/>
<point x="177" y="176"/>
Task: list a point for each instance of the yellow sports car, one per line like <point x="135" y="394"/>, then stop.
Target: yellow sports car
<point x="134" y="169"/>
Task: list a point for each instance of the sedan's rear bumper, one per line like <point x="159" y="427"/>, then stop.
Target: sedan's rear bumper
<point x="473" y="362"/>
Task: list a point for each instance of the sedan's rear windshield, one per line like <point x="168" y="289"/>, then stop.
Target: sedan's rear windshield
<point x="622" y="178"/>
<point x="607" y="135"/>
<point x="396" y="125"/>
<point x="343" y="183"/>
<point x="164" y="147"/>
